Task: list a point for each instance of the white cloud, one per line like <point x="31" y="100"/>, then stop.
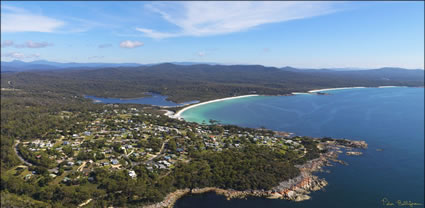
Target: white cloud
<point x="28" y="44"/>
<point x="7" y="43"/>
<point x="15" y="19"/>
<point x="131" y="44"/>
<point x="215" y="18"/>
<point x="31" y="44"/>
<point x="17" y="55"/>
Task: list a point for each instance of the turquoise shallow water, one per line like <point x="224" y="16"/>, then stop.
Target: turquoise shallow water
<point x="391" y="119"/>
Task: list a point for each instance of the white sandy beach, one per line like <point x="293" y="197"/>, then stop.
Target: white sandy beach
<point x="168" y="113"/>
<point x="329" y="89"/>
<point x="178" y="114"/>
<point x="300" y="93"/>
<point x="343" y="88"/>
<point x="389" y="86"/>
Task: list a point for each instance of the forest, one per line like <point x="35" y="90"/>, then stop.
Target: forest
<point x="202" y="82"/>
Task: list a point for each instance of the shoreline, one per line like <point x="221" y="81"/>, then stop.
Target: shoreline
<point x="296" y="189"/>
<point x="178" y="114"/>
<point x="337" y="88"/>
<point x="342" y="88"/>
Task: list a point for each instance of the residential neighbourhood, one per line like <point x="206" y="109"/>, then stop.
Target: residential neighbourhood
<point x="117" y="139"/>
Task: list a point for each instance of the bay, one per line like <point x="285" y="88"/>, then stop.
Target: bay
<point x="391" y="119"/>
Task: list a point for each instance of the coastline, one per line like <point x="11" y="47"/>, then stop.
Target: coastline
<point x="343" y="88"/>
<point x="296" y="189"/>
<point x="178" y="114"/>
<point x="337" y="88"/>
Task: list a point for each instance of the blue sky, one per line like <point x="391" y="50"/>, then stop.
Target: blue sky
<point x="298" y="34"/>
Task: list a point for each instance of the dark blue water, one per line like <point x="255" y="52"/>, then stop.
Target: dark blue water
<point x="391" y="119"/>
<point x="155" y="99"/>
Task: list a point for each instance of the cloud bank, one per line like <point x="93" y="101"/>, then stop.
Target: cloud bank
<point x="17" y="55"/>
<point x="14" y="19"/>
<point x="28" y="44"/>
<point x="215" y="18"/>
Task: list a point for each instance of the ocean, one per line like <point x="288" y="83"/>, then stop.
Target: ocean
<point x="390" y="120"/>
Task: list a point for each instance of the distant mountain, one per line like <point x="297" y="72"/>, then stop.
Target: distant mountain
<point x="192" y="63"/>
<point x="18" y="66"/>
<point x="288" y="68"/>
<point x="203" y="81"/>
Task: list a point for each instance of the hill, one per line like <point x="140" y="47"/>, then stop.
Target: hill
<point x="203" y="81"/>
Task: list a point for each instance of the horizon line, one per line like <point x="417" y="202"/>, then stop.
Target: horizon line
<point x="222" y="64"/>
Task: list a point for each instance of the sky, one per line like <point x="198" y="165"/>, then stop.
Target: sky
<point x="298" y="34"/>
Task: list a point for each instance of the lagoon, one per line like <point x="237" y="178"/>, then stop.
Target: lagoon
<point x="391" y="119"/>
<point x="154" y="99"/>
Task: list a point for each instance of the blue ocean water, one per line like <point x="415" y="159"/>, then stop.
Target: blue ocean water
<point x="391" y="119"/>
<point x="155" y="99"/>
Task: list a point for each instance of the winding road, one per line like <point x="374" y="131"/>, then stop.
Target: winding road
<point x="19" y="155"/>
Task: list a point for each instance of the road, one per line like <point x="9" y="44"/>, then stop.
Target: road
<point x="23" y="160"/>
<point x="150" y="160"/>
<point x="19" y="155"/>
<point x="81" y="166"/>
<point x="160" y="151"/>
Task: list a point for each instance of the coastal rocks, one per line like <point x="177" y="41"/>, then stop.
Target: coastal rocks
<point x="354" y="153"/>
<point x="301" y="198"/>
<point x="295" y="189"/>
<point x="300" y="191"/>
<point x="170" y="199"/>
<point x="356" y="144"/>
<point x="339" y="161"/>
<point x="322" y="93"/>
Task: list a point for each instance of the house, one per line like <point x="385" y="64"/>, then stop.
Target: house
<point x="65" y="143"/>
<point x="28" y="176"/>
<point x="166" y="163"/>
<point x="132" y="174"/>
<point x="114" y="161"/>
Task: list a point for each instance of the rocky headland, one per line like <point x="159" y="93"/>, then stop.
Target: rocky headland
<point x="295" y="189"/>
